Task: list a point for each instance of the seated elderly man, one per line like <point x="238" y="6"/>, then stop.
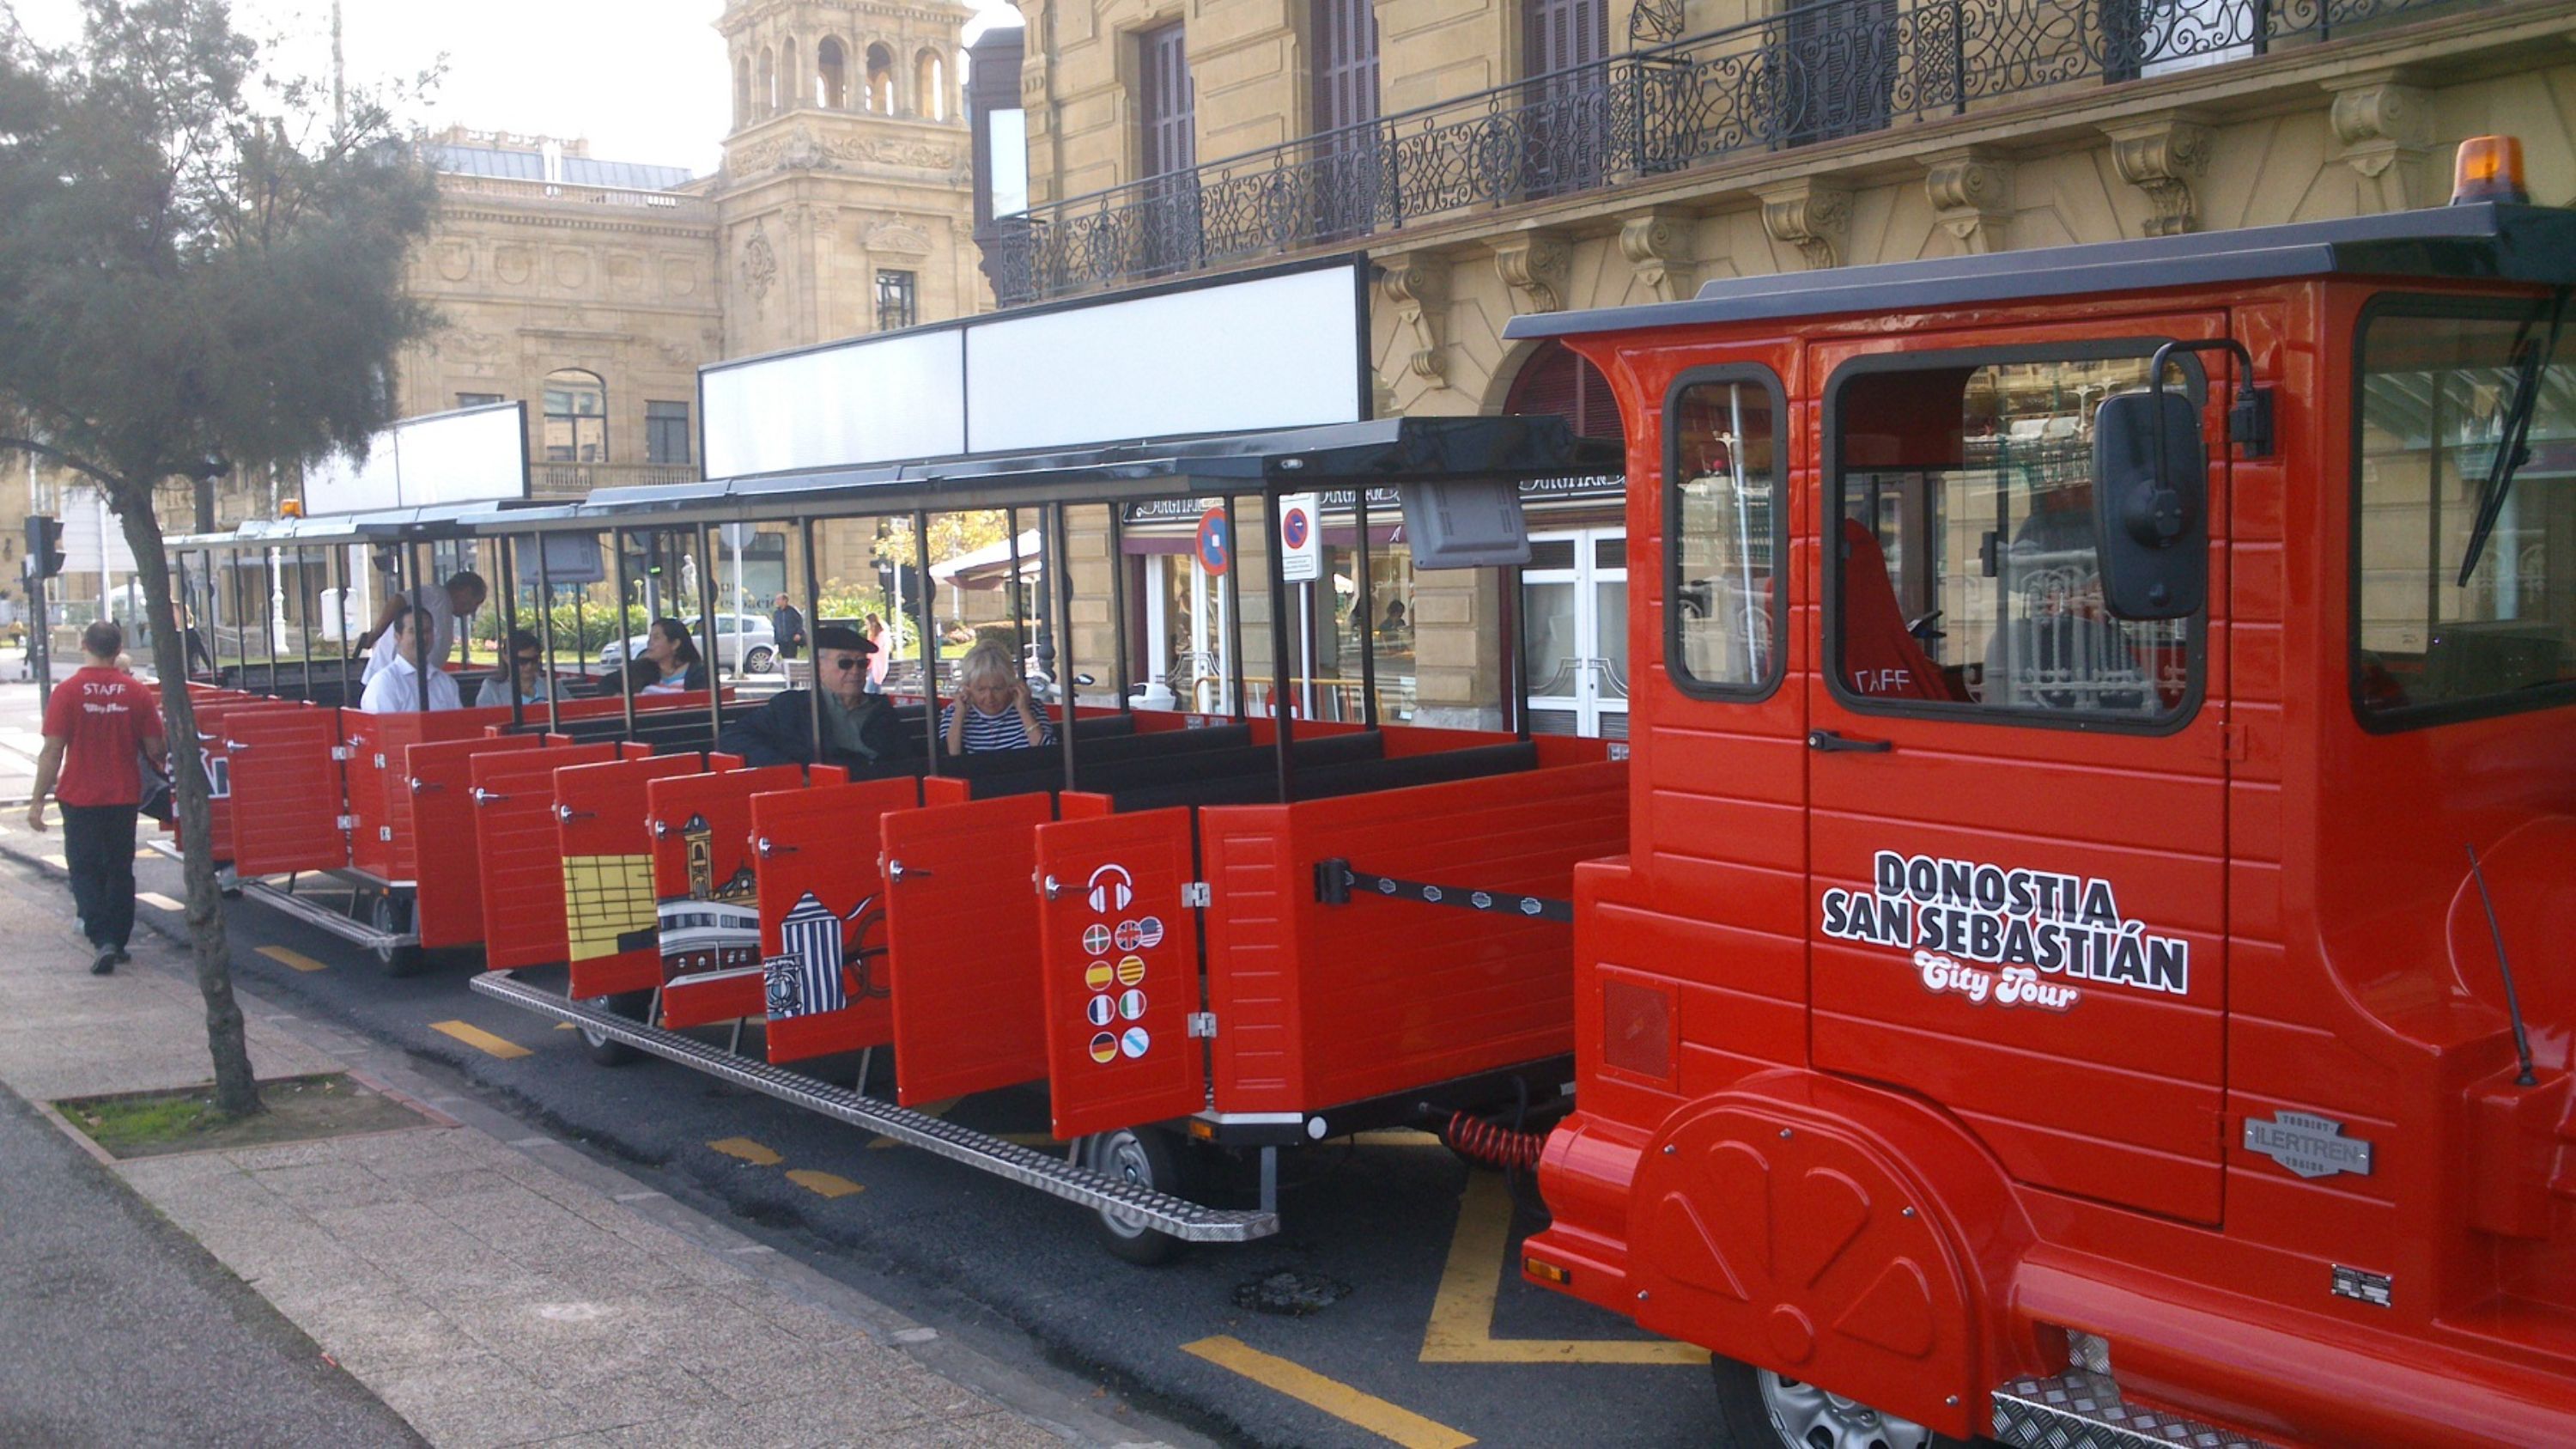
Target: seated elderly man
<point x="859" y="728"/>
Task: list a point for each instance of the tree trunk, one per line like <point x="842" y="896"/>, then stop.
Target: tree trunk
<point x="236" y="1090"/>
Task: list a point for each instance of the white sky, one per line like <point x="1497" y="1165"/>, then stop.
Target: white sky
<point x="643" y="80"/>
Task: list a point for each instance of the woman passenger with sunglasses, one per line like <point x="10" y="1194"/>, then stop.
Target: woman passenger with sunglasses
<point x="526" y="678"/>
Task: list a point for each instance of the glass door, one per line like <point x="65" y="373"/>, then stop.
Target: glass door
<point x="1574" y="594"/>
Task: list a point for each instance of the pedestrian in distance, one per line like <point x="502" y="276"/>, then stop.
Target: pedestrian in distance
<point x="883" y="656"/>
<point x="992" y="710"/>
<point x="443" y="608"/>
<point x="787" y="628"/>
<point x="99" y="725"/>
<point x="396" y="688"/>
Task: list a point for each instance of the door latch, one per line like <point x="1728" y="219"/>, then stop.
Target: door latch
<point x="1196" y="893"/>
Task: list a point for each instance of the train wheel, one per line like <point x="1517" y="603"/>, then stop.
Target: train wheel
<point x="1148" y="1157"/>
<point x="391" y="914"/>
<point x="607" y="1050"/>
<point x="1763" y="1410"/>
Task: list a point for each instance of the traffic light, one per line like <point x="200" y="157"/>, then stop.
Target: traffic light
<point x="44" y="545"/>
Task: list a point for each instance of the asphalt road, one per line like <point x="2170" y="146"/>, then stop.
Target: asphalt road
<point x="1418" y="1332"/>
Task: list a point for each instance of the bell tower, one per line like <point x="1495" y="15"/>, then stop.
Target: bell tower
<point x="846" y="201"/>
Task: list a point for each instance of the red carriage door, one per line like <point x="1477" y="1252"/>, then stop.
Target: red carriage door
<point x="514" y="832"/>
<point x="607" y="872"/>
<point x="2018" y="818"/>
<point x="286" y="785"/>
<point x="1120" y="947"/>
<point x="962" y="922"/>
<point x="448" y="895"/>
<point x="822" y="915"/>
<point x="706" y="909"/>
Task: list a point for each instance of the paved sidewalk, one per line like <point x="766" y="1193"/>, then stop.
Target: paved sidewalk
<point x="489" y="1289"/>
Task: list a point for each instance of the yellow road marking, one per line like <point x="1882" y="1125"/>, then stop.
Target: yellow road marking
<point x="479" y="1039"/>
<point x="748" y="1150"/>
<point x="822" y="1183"/>
<point x="296" y="959"/>
<point x="158" y="900"/>
<point x="1462" y="1313"/>
<point x="1401" y="1426"/>
<point x="565" y="1026"/>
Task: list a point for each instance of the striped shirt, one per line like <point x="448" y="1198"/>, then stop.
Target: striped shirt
<point x="995" y="731"/>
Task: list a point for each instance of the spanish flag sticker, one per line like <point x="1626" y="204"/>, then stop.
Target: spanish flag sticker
<point x="1096" y="976"/>
<point x="1104" y="1048"/>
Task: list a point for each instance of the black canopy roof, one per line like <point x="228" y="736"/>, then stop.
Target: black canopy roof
<point x="2485" y="241"/>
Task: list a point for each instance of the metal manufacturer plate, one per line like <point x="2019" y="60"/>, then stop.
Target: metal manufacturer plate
<point x="2309" y="1146"/>
<point x="2362" y="1285"/>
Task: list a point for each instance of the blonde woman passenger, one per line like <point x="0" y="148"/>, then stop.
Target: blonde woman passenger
<point x="993" y="710"/>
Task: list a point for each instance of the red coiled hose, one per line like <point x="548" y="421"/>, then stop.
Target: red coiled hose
<point x="1475" y="1138"/>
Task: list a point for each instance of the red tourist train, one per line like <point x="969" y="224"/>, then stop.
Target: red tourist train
<point x="2076" y="954"/>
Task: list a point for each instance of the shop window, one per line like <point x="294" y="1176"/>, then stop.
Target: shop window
<point x="1966" y="574"/>
<point x="576" y="417"/>
<point x="1724" y="529"/>
<point x="666" y="432"/>
<point x="2452" y="620"/>
<point x="898" y="306"/>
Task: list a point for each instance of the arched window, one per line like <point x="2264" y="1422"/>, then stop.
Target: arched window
<point x="742" y="92"/>
<point x="767" y="84"/>
<point x="881" y="80"/>
<point x="1554" y="380"/>
<point x="831" y="76"/>
<point x="791" y="81"/>
<point x="930" y="86"/>
<point x="576" y="417"/>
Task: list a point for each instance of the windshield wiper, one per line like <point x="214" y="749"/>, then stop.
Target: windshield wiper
<point x="2513" y="448"/>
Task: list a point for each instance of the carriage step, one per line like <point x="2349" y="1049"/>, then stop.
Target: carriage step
<point x="2080" y="1409"/>
<point x="315" y="914"/>
<point x="1024" y="1165"/>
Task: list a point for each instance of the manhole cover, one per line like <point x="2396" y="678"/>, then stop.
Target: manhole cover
<point x="1290" y="1291"/>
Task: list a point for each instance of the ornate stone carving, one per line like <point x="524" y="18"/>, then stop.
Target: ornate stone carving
<point x="2162" y="156"/>
<point x="1533" y="263"/>
<point x="1418" y="284"/>
<point x="1972" y="193"/>
<point x="514" y="265"/>
<point x="679" y="276"/>
<point x="897" y="236"/>
<point x="2387" y="134"/>
<point x="801" y="152"/>
<point x="572" y="270"/>
<point x="1656" y="243"/>
<point x="455" y="260"/>
<point x="1810" y="214"/>
<point x="759" y="266"/>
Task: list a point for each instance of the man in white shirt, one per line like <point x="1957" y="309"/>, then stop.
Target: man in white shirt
<point x="442" y="607"/>
<point x="395" y="688"/>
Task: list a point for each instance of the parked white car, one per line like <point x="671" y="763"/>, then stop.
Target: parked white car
<point x="750" y="646"/>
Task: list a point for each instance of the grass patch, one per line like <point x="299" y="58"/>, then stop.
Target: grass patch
<point x="300" y="1109"/>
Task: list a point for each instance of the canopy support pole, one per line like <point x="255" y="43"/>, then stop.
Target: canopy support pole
<point x="1059" y="575"/>
<point x="546" y="623"/>
<point x="929" y="638"/>
<point x="505" y="654"/>
<point x="813" y="636"/>
<point x="624" y="678"/>
<point x="1234" y="606"/>
<point x="1118" y="610"/>
<point x="1283" y="701"/>
<point x="707" y="631"/>
<point x="1364" y="610"/>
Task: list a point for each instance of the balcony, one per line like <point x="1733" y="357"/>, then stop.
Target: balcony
<point x="576" y="480"/>
<point x="1823" y="71"/>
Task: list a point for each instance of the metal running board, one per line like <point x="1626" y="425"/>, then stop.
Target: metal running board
<point x="2083" y="1410"/>
<point x="168" y="848"/>
<point x="1024" y="1165"/>
<point x="323" y="917"/>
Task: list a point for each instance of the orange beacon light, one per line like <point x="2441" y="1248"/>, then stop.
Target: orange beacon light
<point x="2489" y="169"/>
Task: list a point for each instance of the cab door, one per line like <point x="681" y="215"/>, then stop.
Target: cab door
<point x="2018" y="804"/>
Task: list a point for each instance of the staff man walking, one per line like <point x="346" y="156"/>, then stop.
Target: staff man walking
<point x="98" y="725"/>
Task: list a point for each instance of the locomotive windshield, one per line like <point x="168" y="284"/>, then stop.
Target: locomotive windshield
<point x="2451" y="620"/>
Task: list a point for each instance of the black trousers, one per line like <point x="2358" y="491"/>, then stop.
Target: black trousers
<point x="98" y="845"/>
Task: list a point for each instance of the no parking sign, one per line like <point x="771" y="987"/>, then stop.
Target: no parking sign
<point x="1301" y="539"/>
<point x="1215" y="542"/>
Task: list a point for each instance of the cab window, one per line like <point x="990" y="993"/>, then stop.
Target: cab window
<point x="1723" y="532"/>
<point x="2464" y="577"/>
<point x="1961" y="538"/>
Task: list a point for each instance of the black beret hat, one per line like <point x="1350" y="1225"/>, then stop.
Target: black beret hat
<point x="842" y="636"/>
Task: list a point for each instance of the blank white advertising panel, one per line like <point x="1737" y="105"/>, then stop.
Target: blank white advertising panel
<point x="1282" y="351"/>
<point x="877" y="401"/>
<point x="477" y="455"/>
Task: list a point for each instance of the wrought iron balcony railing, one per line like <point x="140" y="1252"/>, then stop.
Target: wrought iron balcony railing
<point x="1819" y="72"/>
<point x="576" y="480"/>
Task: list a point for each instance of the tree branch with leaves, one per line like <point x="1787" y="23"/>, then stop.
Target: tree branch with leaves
<point x="198" y="264"/>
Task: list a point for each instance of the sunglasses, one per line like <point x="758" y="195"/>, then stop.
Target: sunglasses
<point x="846" y="661"/>
<point x="526" y="660"/>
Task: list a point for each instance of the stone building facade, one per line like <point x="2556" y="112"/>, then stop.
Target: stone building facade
<point x="1498" y="157"/>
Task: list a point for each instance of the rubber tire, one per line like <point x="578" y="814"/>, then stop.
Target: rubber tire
<point x="604" y="1051"/>
<point x="1157" y="1163"/>
<point x="760" y="660"/>
<point x="1744" y="1420"/>
<point x="386" y="913"/>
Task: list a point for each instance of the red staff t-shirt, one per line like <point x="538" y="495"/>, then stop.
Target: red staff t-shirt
<point x="105" y="715"/>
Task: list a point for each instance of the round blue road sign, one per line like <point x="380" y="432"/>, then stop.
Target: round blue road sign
<point x="1215" y="544"/>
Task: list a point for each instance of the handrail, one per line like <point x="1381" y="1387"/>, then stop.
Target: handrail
<point x="1819" y="72"/>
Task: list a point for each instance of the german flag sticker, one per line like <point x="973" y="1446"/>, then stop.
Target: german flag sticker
<point x="1104" y="1048"/>
<point x="1096" y="976"/>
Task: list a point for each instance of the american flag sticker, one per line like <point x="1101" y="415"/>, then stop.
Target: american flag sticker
<point x="805" y="978"/>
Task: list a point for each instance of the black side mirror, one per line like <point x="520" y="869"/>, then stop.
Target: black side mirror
<point x="2151" y="506"/>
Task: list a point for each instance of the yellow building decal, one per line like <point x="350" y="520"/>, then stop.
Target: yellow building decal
<point x="606" y="897"/>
